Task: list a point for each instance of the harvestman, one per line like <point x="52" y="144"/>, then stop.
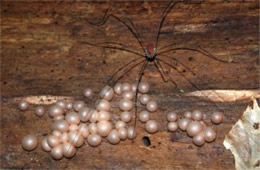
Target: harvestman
<point x="151" y="52"/>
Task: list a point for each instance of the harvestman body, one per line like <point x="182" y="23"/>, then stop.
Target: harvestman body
<point x="151" y="53"/>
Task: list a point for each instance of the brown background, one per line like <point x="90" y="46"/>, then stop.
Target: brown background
<point x="41" y="54"/>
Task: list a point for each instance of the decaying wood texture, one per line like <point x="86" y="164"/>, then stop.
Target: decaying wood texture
<point x="41" y="54"/>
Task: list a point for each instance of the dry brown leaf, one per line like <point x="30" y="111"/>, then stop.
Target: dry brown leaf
<point x="244" y="139"/>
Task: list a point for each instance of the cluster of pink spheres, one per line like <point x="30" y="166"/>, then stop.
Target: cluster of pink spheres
<point x="193" y="124"/>
<point x="75" y="123"/>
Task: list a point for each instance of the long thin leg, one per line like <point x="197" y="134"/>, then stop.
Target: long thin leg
<point x="121" y="45"/>
<point x="172" y="66"/>
<point x="127" y="71"/>
<point x="174" y="44"/>
<point x="162" y="74"/>
<point x="197" y="88"/>
<point x="121" y="68"/>
<point x="132" y="30"/>
<point x="204" y="52"/>
<point x="111" y="47"/>
<point x="191" y="46"/>
<point x="124" y="73"/>
<point x="160" y="69"/>
<point x="134" y="27"/>
<point x="137" y="91"/>
<point x="209" y="87"/>
<point x="170" y="5"/>
<point x="179" y="62"/>
<point x="104" y="19"/>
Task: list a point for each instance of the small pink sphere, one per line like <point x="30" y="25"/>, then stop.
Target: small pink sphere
<point x="194" y="128"/>
<point x="23" y="105"/>
<point x="143" y="87"/>
<point x="197" y="115"/>
<point x="152" y="106"/>
<point x="126" y="105"/>
<point x="126" y="116"/>
<point x="187" y="114"/>
<point x="29" y="142"/>
<point x="107" y="93"/>
<point x="217" y="117"/>
<point x="172" y="126"/>
<point x="183" y="123"/>
<point x="78" y="105"/>
<point x="55" y="111"/>
<point x="103" y="105"/>
<point x="172" y="116"/>
<point x="144" y="116"/>
<point x="61" y="103"/>
<point x="152" y="126"/>
<point x="88" y="92"/>
<point x="39" y="111"/>
<point x="126" y="87"/>
<point x="199" y="139"/>
<point x="128" y="95"/>
<point x="118" y="89"/>
<point x="209" y="134"/>
<point x="144" y="99"/>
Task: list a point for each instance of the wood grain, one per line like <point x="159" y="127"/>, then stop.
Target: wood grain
<point x="41" y="54"/>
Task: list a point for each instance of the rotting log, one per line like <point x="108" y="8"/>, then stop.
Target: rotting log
<point x="41" y="54"/>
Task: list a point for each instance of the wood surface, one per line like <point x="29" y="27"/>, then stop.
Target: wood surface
<point x="42" y="54"/>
